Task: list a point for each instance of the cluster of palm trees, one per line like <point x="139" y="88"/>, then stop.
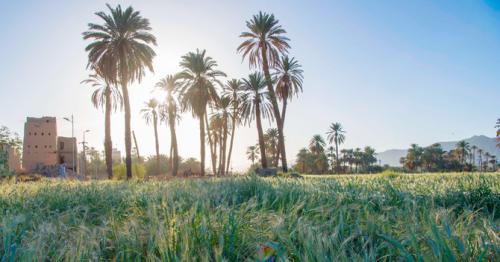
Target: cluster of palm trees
<point x="121" y="52"/>
<point x="463" y="158"/>
<point x="322" y="157"/>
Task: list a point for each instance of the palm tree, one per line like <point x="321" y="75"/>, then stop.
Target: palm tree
<point x="150" y="114"/>
<point x="473" y="149"/>
<point x="317" y="145"/>
<point x="493" y="162"/>
<point x="120" y="52"/>
<point x="263" y="44"/>
<point x="252" y="152"/>
<point x="497" y="126"/>
<point x="487" y="156"/>
<point x="331" y="154"/>
<point x="169" y="114"/>
<point x="199" y="77"/>
<point x="223" y="112"/>
<point x="463" y="150"/>
<point x="289" y="80"/>
<point x="335" y="135"/>
<point x="271" y="137"/>
<point x="214" y="135"/>
<point x="107" y="96"/>
<point x="232" y="90"/>
<point x="480" y="152"/>
<point x="255" y="105"/>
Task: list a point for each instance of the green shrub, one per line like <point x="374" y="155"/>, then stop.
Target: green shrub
<point x="120" y="171"/>
<point x="388" y="173"/>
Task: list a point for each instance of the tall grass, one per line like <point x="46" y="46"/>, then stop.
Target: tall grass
<point x="405" y="217"/>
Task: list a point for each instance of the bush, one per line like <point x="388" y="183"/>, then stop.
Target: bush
<point x="150" y="165"/>
<point x="389" y="173"/>
<point x="120" y="171"/>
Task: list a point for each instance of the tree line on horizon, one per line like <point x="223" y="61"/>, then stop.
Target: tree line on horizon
<point x="121" y="51"/>
<point x="464" y="157"/>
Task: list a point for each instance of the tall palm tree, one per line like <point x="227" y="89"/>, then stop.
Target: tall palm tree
<point x="336" y="135"/>
<point x="200" y="78"/>
<point x="150" y="114"/>
<point x="121" y="51"/>
<point x="107" y="96"/>
<point x="255" y="105"/>
<point x="317" y="145"/>
<point x="169" y="114"/>
<point x="263" y="44"/>
<point x="232" y="90"/>
<point x="289" y="78"/>
<point x="252" y="152"/>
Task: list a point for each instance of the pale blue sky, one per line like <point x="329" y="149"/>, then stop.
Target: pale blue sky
<point x="392" y="72"/>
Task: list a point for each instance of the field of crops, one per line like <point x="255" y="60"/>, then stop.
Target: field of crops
<point x="397" y="217"/>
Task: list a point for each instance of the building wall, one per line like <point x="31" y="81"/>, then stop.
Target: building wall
<point x="40" y="142"/>
<point x="65" y="146"/>
<point x="14" y="160"/>
<point x="116" y="156"/>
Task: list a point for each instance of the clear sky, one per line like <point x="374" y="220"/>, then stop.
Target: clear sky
<point x="392" y="72"/>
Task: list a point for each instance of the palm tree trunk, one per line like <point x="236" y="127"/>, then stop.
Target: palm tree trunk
<point x="262" y="146"/>
<point x="336" y="156"/>
<point x="224" y="144"/>
<point x="202" y="144"/>
<point x="173" y="145"/>
<point x="231" y="143"/>
<point x="283" y="114"/>
<point x="272" y="95"/>
<point x="107" y="135"/>
<point x="157" y="145"/>
<point x="213" y="146"/>
<point x="128" y="138"/>
<point x="220" y="142"/>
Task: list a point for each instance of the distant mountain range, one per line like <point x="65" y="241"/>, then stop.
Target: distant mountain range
<point x="488" y="144"/>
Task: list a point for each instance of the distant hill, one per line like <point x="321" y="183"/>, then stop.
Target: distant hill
<point x="488" y="144"/>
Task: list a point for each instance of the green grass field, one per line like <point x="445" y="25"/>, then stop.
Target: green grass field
<point x="398" y="217"/>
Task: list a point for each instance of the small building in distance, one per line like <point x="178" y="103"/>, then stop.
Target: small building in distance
<point x="116" y="156"/>
<point x="13" y="160"/>
<point x="66" y="145"/>
<point x="42" y="147"/>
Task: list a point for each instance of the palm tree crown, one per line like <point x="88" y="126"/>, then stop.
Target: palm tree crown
<point x="121" y="47"/>
<point x="199" y="77"/>
<point x="265" y="33"/>
<point x="254" y="93"/>
<point x="336" y="134"/>
<point x="317" y="144"/>
<point x="150" y="110"/>
<point x="289" y="78"/>
<point x="98" y="97"/>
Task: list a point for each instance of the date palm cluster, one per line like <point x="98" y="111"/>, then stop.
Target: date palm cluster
<point x="121" y="52"/>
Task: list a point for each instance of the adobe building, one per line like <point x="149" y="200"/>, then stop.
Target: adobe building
<point x="13" y="159"/>
<point x="43" y="148"/>
<point x="66" y="145"/>
<point x="40" y="143"/>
